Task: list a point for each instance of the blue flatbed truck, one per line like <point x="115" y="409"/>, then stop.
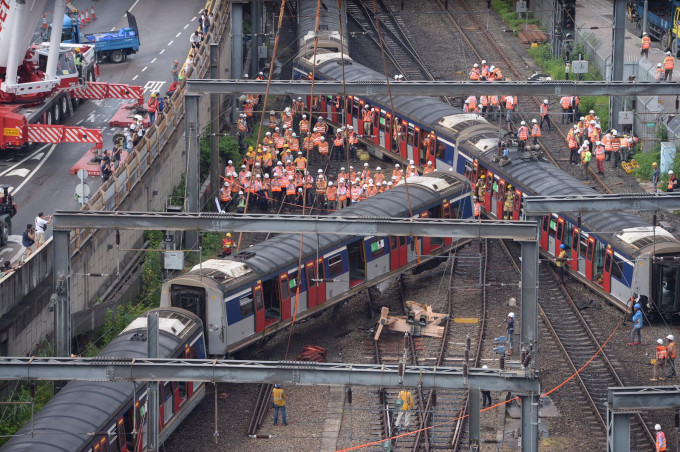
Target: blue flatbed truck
<point x="663" y="21"/>
<point x="112" y="45"/>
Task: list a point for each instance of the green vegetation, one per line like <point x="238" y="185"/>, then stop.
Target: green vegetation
<point x="506" y="9"/>
<point x="554" y="67"/>
<point x="228" y="151"/>
<point x="645" y="160"/>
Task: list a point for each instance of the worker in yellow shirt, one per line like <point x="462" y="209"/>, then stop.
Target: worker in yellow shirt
<point x="279" y="397"/>
<point x="404" y="405"/>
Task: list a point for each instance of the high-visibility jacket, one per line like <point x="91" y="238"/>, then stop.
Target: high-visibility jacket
<point x="365" y="174"/>
<point x="372" y="191"/>
<point x="560" y="257"/>
<point x="586" y="156"/>
<point x="316" y="138"/>
<point x="571" y="139"/>
<point x="353" y="138"/>
<point x="509" y="103"/>
<point x="523" y="132"/>
<point x="407" y="399"/>
<point x="474" y="73"/>
<point x="366" y="117"/>
<point x="497" y="73"/>
<point x="535" y="131"/>
<point x="304" y="126"/>
<point x="544" y="110"/>
<point x="660" y="442"/>
<point x="321" y="127"/>
<point x="616" y="144"/>
<point x="668" y="62"/>
<point x="290" y="188"/>
<point x="331" y="193"/>
<point x="294" y="144"/>
<point x="484" y="101"/>
<point x="342" y="193"/>
<point x="410" y="172"/>
<point x="473" y="102"/>
<point x="493" y="100"/>
<point x="309" y="182"/>
<point x="477" y="209"/>
<point x="152" y="105"/>
<point x="248" y="109"/>
<point x="646" y="42"/>
<point x="485" y="70"/>
<point x="565" y="102"/>
<point x="509" y="202"/>
<point x="308" y="143"/>
<point x="301" y="163"/>
<point x="428" y="169"/>
<point x="280" y="142"/>
<point x="242" y="125"/>
<point x="356" y="193"/>
<point x="225" y="194"/>
<point x="279" y="397"/>
<point x="229" y="170"/>
<point x="288" y="121"/>
<point x="227" y="243"/>
<point x="661" y="352"/>
<point x="321" y="186"/>
<point x="242" y="176"/>
<point x="299" y="180"/>
<point x="599" y="152"/>
<point x="396" y="173"/>
<point x="338" y="141"/>
<point x="276" y="185"/>
<point x="323" y="147"/>
<point x="379" y="178"/>
<point x="672" y="350"/>
<point x="607" y="142"/>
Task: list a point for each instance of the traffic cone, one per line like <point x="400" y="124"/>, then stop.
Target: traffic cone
<point x="87" y="15"/>
<point x="82" y="18"/>
<point x="93" y="16"/>
<point x="44" y="22"/>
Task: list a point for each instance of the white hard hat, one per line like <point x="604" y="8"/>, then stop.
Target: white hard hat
<point x="413" y="166"/>
<point x="365" y="165"/>
<point x="396" y="166"/>
<point x="350" y="127"/>
<point x="668" y="53"/>
<point x="266" y="176"/>
<point x="377" y="169"/>
<point x="299" y="190"/>
<point x="411" y="162"/>
<point x="483" y="61"/>
<point x="230" y="162"/>
<point x="467" y="101"/>
<point x="545" y="101"/>
<point x="276" y="129"/>
<point x="294" y="135"/>
<point x="512" y="314"/>
<point x="429" y="163"/>
<point x="248" y="174"/>
<point x="268" y="134"/>
<point x="485" y="366"/>
<point x="304" y="116"/>
<point x="523" y="123"/>
<point x="592" y="111"/>
<point x="299" y="98"/>
<point x="534" y="121"/>
<point x="330" y="183"/>
<point x="320" y="171"/>
<point x="492" y="68"/>
<point x="657" y="427"/>
<point x="593" y="122"/>
<point x="342" y="168"/>
<point x="257" y="176"/>
<point x="659" y="341"/>
<point x="670" y="337"/>
<point x="644" y="33"/>
<point x="597" y="143"/>
<point x="670" y="172"/>
<point x="582" y="118"/>
<point x="234" y="174"/>
<point x="240" y="192"/>
<point x="245" y="75"/>
<point x="658" y="64"/>
<point x="389" y="184"/>
<point x="476" y="65"/>
<point x="322" y="138"/>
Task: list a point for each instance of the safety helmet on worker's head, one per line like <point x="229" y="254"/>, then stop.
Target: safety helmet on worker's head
<point x="277" y="386"/>
<point x="563" y="246"/>
<point x="509" y="186"/>
<point x="153" y="94"/>
<point x="644" y="33"/>
<point x="523" y="123"/>
<point x="228" y="234"/>
<point x="304" y="116"/>
<point x="476" y="65"/>
<point x="654" y="164"/>
<point x="474" y="198"/>
<point x="485" y="366"/>
<point x="658" y="65"/>
<point x="483" y="61"/>
<point x="533" y="121"/>
<point x="670" y="337"/>
<point x="657" y="427"/>
<point x="396" y="166"/>
<point x="78" y="49"/>
<point x="250" y="148"/>
<point x="545" y="101"/>
<point x="637" y="306"/>
<point x="483" y="176"/>
<point x="512" y="315"/>
<point x="659" y="341"/>
<point x="668" y="53"/>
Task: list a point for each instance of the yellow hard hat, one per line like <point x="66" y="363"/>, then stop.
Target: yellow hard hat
<point x="509" y="186"/>
<point x="153" y="94"/>
<point x="250" y="148"/>
<point x="77" y="49"/>
<point x="483" y="176"/>
<point x="228" y="234"/>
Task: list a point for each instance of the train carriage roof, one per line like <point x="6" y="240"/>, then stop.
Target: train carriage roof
<point x="83" y="407"/>
<point x="423" y="109"/>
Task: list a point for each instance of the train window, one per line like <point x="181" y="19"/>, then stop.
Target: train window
<point x="376" y="120"/>
<point x="422" y="150"/>
<point x="335" y="266"/>
<point x="617" y="269"/>
<point x="468" y="169"/>
<point x="553" y="227"/>
<point x="668" y="286"/>
<point x="320" y="270"/>
<point x="568" y="236"/>
<point x="182" y="390"/>
<point x="259" y="299"/>
<point x="293" y="281"/>
<point x="388" y="125"/>
<point x="584" y="246"/>
<point x="411" y="133"/>
<point x="416" y="138"/>
<point x="285" y="289"/>
<point x="356" y="108"/>
<point x="246" y="304"/>
<point x="560" y="230"/>
<point x="403" y="128"/>
<point x="441" y="150"/>
<point x="377" y="248"/>
<point x="382" y="121"/>
<point x="311" y="276"/>
<point x="402" y="240"/>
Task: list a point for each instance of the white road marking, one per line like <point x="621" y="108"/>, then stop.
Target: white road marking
<point x="186" y="26"/>
<point x="133" y="5"/>
<point x="153" y="86"/>
<point x="153" y="61"/>
<point x="35" y="170"/>
<point x="135" y="77"/>
<point x="80" y="122"/>
<point x="177" y="35"/>
<point x="26" y="158"/>
<point x="38" y="156"/>
<point x="92" y="117"/>
<point x="145" y="68"/>
<point x="162" y="52"/>
<point x="113" y="29"/>
<point x="20" y="172"/>
<point x="170" y="43"/>
<point x="193" y="18"/>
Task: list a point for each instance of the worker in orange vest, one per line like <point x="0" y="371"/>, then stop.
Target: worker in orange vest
<point x="660" y="363"/>
<point x="331" y="196"/>
<point x="429" y="168"/>
<point x="152" y="107"/>
<point x="227" y="245"/>
<point x="644" y="46"/>
<point x="573" y="142"/>
<point x="509" y="108"/>
<point x="535" y="131"/>
<point x="565" y="102"/>
<point x="477" y="206"/>
<point x="660" y="439"/>
<point x="523" y="134"/>
<point x="544" y="114"/>
<point x="342" y="194"/>
<point x="485" y="70"/>
<point x="599" y="157"/>
<point x="367" y="120"/>
<point x="225" y="196"/>
<point x="474" y="72"/>
<point x="672" y="354"/>
<point x="304" y="125"/>
<point x="338" y="152"/>
<point x="668" y="64"/>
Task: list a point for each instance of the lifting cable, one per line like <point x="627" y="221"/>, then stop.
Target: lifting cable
<point x="304" y="188"/>
<point x="345" y="143"/>
<point x="264" y="104"/>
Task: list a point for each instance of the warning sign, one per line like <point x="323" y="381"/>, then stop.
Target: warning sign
<point x="11" y="132"/>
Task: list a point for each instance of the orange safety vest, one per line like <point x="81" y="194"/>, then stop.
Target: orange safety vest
<point x="544" y="110"/>
<point x="227" y="244"/>
<point x="493" y="100"/>
<point x="242" y="125"/>
<point x="321" y="186"/>
<point x="353" y="138"/>
<point x="484" y="101"/>
<point x="290" y="188"/>
<point x="396" y="173"/>
<point x="379" y="178"/>
<point x="323" y="147"/>
<point x="338" y="140"/>
<point x="485" y="70"/>
<point x="304" y="126"/>
<point x="565" y="102"/>
<point x="331" y="193"/>
<point x="294" y="144"/>
<point x="497" y="73"/>
<point x="225" y="195"/>
<point x="616" y="144"/>
<point x="301" y="163"/>
<point x="276" y="185"/>
<point x="672" y="351"/>
<point x="428" y="169"/>
<point x="477" y="209"/>
<point x="572" y="140"/>
<point x="668" y="62"/>
<point x="248" y="109"/>
<point x="356" y="192"/>
<point x="646" y="42"/>
<point x="523" y="132"/>
<point x="599" y="152"/>
<point x="152" y="105"/>
<point x="342" y="193"/>
<point x="321" y="128"/>
<point x="661" y="352"/>
<point x="474" y="73"/>
<point x="535" y="131"/>
<point x="365" y="174"/>
<point x="509" y="105"/>
<point x="661" y="442"/>
<point x="473" y="102"/>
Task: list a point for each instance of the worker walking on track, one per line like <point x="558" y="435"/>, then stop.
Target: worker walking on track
<point x="660" y="363"/>
<point x="644" y="45"/>
<point x="561" y="262"/>
<point x="545" y="116"/>
<point x="279" y="404"/>
<point x="672" y="354"/>
<point x="668" y="64"/>
<point x="404" y="405"/>
<point x="660" y="439"/>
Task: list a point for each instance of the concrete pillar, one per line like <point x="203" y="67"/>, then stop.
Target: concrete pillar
<point x="236" y="53"/>
<point x="473" y="421"/>
<point x="529" y="422"/>
<point x="618" y="36"/>
<point x="62" y="281"/>
<point x="152" y="386"/>
<point x="215" y="180"/>
<point x="192" y="142"/>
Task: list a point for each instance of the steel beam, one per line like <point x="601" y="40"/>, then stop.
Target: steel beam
<point x="529" y="422"/>
<point x="543" y="205"/>
<point x="618" y="37"/>
<point x="636" y="398"/>
<point x="357" y="226"/>
<point x="618" y="431"/>
<point x="435" y="88"/>
<point x="192" y="136"/>
<point x="288" y="372"/>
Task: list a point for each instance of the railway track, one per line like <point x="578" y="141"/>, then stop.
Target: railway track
<point x="472" y="17"/>
<point x="395" y="39"/>
<point x="464" y="279"/>
<point x="578" y="344"/>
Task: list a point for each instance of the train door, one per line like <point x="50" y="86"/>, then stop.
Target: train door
<point x="666" y="284"/>
<point x="331" y="111"/>
<point x="284" y="295"/>
<point x="430" y="150"/>
<point x="360" y="118"/>
<point x="447" y="211"/>
<point x="489" y="192"/>
<point x="426" y="241"/>
<point x="590" y="258"/>
<point x="124" y="445"/>
<point x="398" y="252"/>
<point x="607" y="270"/>
<point x="386" y="124"/>
<point x="375" y="137"/>
<point x="416" y="145"/>
<point x="545" y="225"/>
<point x="258" y="300"/>
<point x="474" y="173"/>
<point x="357" y="263"/>
<point x="575" y="248"/>
<point x="403" y="139"/>
<point x="193" y="300"/>
<point x="311" y="284"/>
<point x="356" y="113"/>
<point x="559" y="235"/>
<point x="271" y="289"/>
<point x="321" y="282"/>
<point x="517" y="205"/>
<point x="410" y="132"/>
<point x="168" y="402"/>
<point x="500" y="197"/>
<point x="395" y="136"/>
